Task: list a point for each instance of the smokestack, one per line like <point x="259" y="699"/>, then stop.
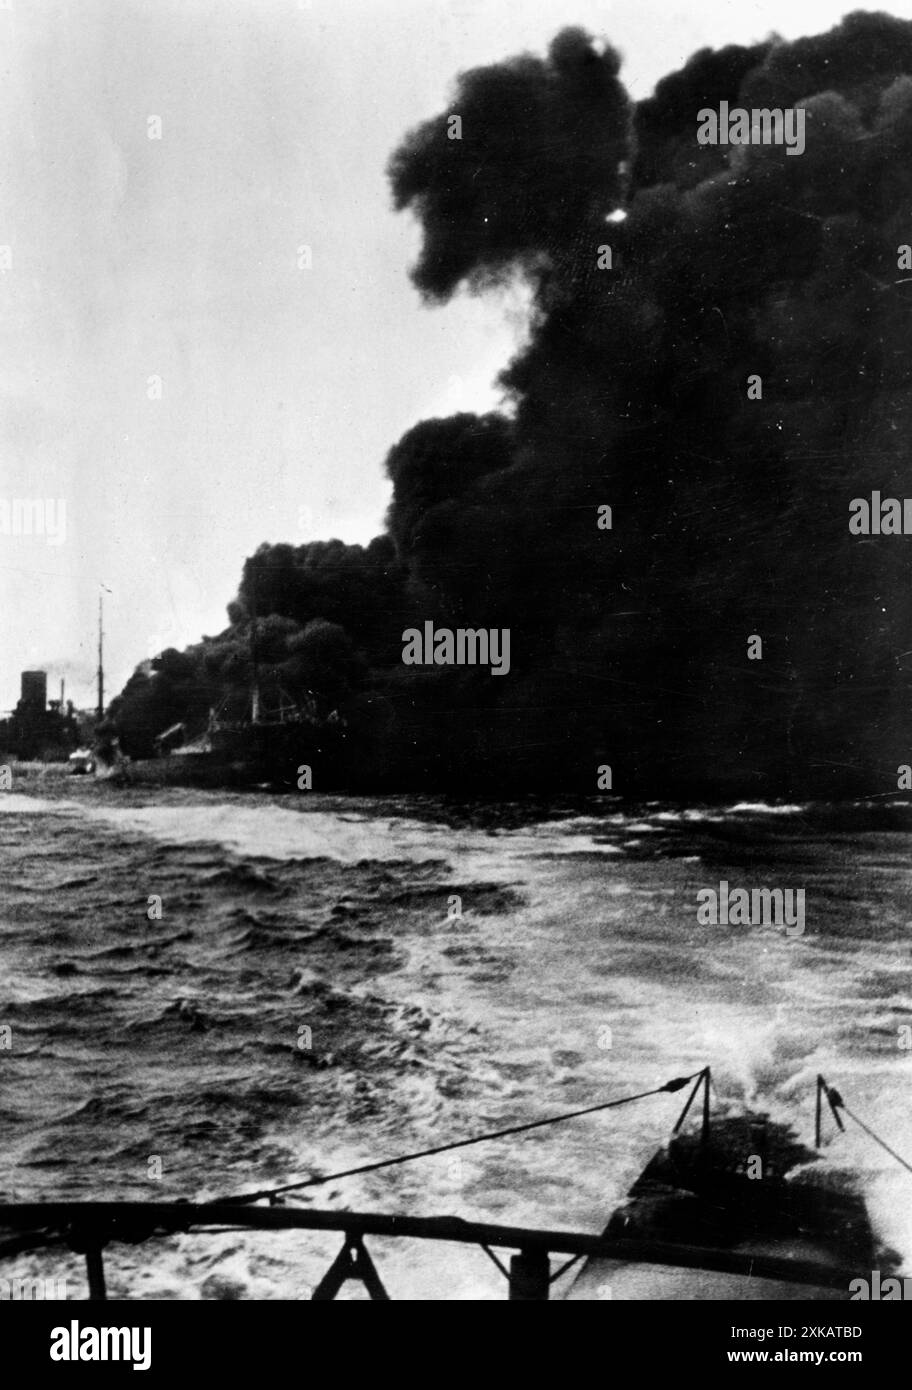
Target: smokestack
<point x="34" y="688"/>
<point x="61" y="692"/>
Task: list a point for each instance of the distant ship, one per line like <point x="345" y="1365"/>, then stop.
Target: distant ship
<point x="38" y="729"/>
<point x="251" y="737"/>
<point x="261" y="742"/>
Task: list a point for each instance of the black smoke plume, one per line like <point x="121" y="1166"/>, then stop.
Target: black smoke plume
<point x="729" y="515"/>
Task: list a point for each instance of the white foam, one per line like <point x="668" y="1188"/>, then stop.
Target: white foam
<point x="18" y="804"/>
<point x="272" y="832"/>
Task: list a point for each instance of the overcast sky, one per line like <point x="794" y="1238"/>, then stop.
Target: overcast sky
<point x="177" y="258"/>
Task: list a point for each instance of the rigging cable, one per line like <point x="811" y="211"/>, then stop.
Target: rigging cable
<point x="676" y="1084"/>
<point x="837" y="1103"/>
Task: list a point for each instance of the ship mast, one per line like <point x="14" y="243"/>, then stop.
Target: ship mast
<point x="100" y="709"/>
<point x="255" y="691"/>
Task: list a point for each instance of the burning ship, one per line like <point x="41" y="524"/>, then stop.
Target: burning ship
<point x="261" y="735"/>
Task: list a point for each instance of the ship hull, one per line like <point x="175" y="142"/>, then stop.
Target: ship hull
<point x="276" y="756"/>
<point x="744" y="1214"/>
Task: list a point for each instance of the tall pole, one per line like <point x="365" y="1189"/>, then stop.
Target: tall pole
<point x="255" y="694"/>
<point x="704" y="1130"/>
<point x="100" y="710"/>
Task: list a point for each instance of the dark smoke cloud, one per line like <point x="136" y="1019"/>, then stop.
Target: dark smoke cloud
<point x="665" y="150"/>
<point x="730" y="515"/>
<point x="537" y="167"/>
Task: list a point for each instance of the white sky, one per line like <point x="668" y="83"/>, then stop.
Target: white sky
<point x="282" y="389"/>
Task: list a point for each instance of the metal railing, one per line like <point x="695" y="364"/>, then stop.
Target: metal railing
<point x="88" y="1227"/>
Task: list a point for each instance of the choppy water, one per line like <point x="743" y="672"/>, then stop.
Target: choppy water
<point x="178" y="1039"/>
